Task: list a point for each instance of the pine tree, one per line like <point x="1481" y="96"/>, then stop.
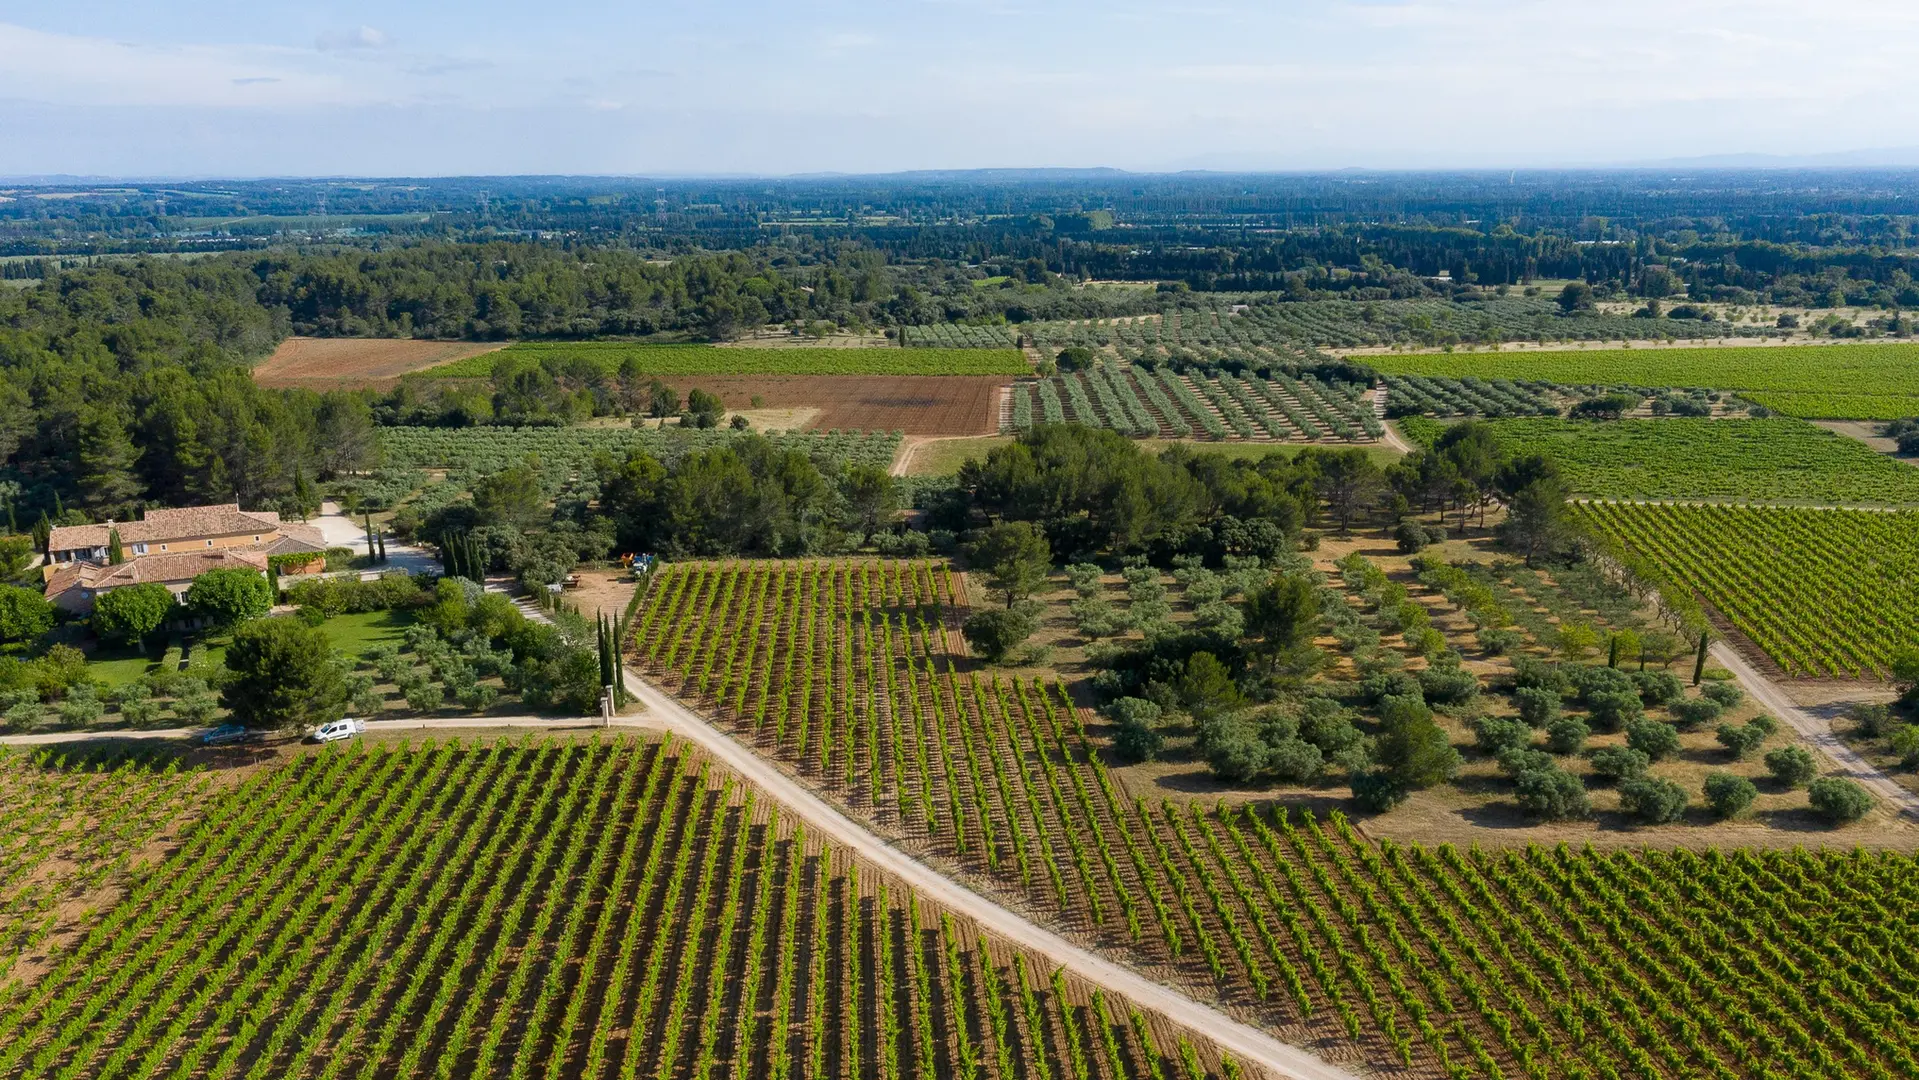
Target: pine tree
<point x="303" y="499"/>
<point x="107" y="458"/>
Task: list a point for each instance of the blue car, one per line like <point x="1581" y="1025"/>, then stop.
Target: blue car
<point x="227" y="735"/>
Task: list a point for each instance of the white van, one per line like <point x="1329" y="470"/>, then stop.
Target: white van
<point x="339" y="729"/>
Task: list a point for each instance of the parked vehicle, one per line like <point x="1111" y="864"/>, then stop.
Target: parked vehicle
<point x="227" y="735"/>
<point x="338" y="729"/>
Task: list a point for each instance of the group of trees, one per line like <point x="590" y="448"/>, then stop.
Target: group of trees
<point x="127" y="384"/>
<point x="750" y="497"/>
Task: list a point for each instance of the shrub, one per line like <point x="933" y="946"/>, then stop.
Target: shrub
<point x="197" y="708"/>
<point x="1295" y="759"/>
<point x="1567" y="735"/>
<point x="1426" y="641"/>
<point x="1096" y="618"/>
<point x="1658" y="687"/>
<point x="1324" y="724"/>
<point x="1740" y="739"/>
<point x="1692" y="713"/>
<point x="1871" y="718"/>
<point x="1528" y="672"/>
<point x="1764" y="722"/>
<point x="1614" y="709"/>
<point x="1132" y="710"/>
<point x="1792" y="766"/>
<point x="1592" y="680"/>
<point x="1234" y="751"/>
<point x="423" y="695"/>
<point x="1726" y="694"/>
<point x="1135" y="741"/>
<point x="1620" y="762"/>
<point x="1375" y="689"/>
<point x="1448" y="684"/>
<point x="1537" y="705"/>
<point x="1551" y="794"/>
<point x="1499" y="641"/>
<point x="1838" y="800"/>
<point x="79" y="709"/>
<point x="1378" y="790"/>
<point x="1905" y="743"/>
<point x="1518" y="760"/>
<point x="1729" y="795"/>
<point x="996" y="632"/>
<point x="1494" y="735"/>
<point x="1411" y="537"/>
<point x="1653" y="738"/>
<point x="1413" y="748"/>
<point x="1653" y="800"/>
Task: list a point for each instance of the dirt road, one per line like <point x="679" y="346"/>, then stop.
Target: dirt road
<point x="1243" y="1041"/>
<point x="1816" y="731"/>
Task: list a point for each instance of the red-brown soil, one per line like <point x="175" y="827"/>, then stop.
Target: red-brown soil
<point x="351" y="363"/>
<point x="913" y="404"/>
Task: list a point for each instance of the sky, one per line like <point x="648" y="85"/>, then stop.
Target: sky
<point x="242" y="88"/>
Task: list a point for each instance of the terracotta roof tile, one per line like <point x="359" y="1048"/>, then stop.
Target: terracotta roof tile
<point x="163" y="525"/>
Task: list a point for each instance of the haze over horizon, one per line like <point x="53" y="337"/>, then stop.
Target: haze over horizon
<point x="222" y="88"/>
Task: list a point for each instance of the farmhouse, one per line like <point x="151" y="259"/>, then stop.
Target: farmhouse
<point x="191" y="528"/>
<point x="171" y="547"/>
<point x="75" y="585"/>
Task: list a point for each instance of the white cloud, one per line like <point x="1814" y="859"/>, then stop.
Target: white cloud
<point x="1132" y="83"/>
<point x="363" y="37"/>
<point x="70" y="70"/>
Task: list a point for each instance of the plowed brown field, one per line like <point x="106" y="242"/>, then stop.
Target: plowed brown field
<point x="350" y="363"/>
<point x="913" y="404"/>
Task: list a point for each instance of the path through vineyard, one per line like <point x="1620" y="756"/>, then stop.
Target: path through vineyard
<point x="1816" y="731"/>
<point x="1242" y="1040"/>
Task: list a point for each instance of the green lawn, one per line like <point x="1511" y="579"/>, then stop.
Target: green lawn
<point x="118" y="667"/>
<point x="355" y="634"/>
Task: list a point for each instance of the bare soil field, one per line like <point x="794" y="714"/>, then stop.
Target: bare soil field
<point x="352" y="363"/>
<point x="913" y="404"/>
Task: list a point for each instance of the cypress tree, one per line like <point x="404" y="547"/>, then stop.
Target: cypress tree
<point x="116" y="554"/>
<point x="1612" y="653"/>
<point x="1699" y="664"/>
